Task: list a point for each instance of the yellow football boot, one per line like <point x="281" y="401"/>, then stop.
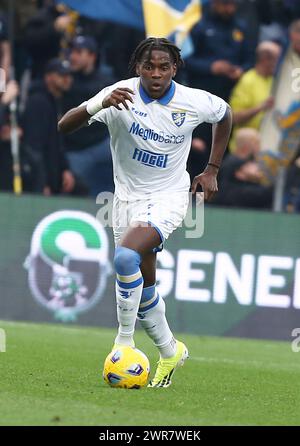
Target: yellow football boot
<point x="167" y="366"/>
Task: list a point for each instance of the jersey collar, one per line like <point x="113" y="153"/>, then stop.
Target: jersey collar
<point x="164" y="100"/>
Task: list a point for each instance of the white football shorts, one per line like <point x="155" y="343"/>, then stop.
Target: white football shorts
<point x="165" y="213"/>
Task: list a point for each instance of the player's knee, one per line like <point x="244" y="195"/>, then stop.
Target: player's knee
<point x="126" y="260"/>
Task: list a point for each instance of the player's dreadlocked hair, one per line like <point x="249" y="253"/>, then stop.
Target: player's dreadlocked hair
<point x="155" y="43"/>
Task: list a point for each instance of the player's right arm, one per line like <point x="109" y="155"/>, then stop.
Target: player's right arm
<point x="79" y="116"/>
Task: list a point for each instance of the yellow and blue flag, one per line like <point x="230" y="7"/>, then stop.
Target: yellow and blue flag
<point x="172" y="19"/>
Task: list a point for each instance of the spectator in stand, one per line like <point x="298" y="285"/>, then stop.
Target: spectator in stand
<point x="280" y="128"/>
<point x="116" y="43"/>
<point x="43" y="35"/>
<point x="240" y="176"/>
<point x="88" y="150"/>
<point x="221" y="50"/>
<point x="23" y="11"/>
<point x="251" y="96"/>
<point x="6" y="173"/>
<point x="40" y="130"/>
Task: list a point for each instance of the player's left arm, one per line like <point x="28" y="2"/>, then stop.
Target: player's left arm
<point x="220" y="137"/>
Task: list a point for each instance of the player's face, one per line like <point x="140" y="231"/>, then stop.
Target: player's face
<point x="157" y="73"/>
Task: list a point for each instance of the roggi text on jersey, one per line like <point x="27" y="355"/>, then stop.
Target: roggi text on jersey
<point x="145" y="134"/>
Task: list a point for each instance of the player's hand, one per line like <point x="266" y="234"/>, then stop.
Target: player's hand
<point x="208" y="181"/>
<point x="118" y="96"/>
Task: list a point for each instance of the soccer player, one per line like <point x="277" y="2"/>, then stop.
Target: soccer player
<point x="150" y="119"/>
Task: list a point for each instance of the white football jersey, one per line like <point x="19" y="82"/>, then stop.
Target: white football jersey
<point x="150" y="142"/>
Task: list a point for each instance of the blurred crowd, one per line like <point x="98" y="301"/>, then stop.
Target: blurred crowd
<point x="242" y="50"/>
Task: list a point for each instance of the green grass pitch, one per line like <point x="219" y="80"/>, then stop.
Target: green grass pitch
<point x="52" y="375"/>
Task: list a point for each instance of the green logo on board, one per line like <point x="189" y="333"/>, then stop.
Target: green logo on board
<point x="68" y="263"/>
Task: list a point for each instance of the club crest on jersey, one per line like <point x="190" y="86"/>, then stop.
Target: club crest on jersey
<point x="178" y="118"/>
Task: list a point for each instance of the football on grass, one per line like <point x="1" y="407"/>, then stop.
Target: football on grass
<point x="127" y="368"/>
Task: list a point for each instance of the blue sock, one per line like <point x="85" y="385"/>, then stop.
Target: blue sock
<point x="129" y="286"/>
